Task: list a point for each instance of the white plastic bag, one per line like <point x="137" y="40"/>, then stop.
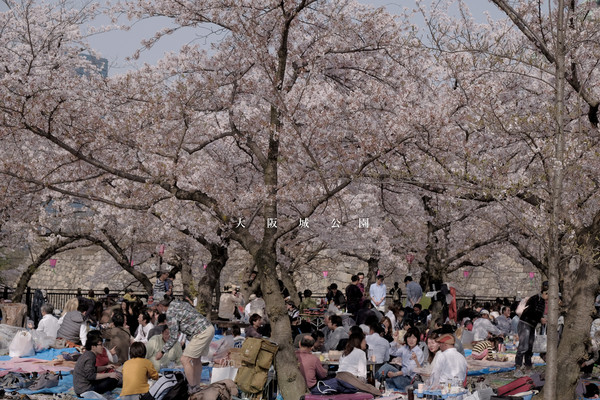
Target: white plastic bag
<point x="21" y="345"/>
<point x="220" y="373"/>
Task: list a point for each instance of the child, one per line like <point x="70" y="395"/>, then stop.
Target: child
<point x="136" y="372"/>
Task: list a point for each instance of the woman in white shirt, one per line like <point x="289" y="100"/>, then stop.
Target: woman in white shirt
<point x="353" y="364"/>
<point x="410" y="355"/>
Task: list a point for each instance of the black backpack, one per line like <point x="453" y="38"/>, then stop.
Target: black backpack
<point x="178" y="392"/>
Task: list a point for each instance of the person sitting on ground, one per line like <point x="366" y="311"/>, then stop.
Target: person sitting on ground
<point x="310" y="366"/>
<point x="319" y="341"/>
<point x="238" y="339"/>
<point x="48" y="325"/>
<point x="388" y="331"/>
<point x="136" y="372"/>
<point x="503" y="322"/>
<point x="429" y="356"/>
<point x="591" y="391"/>
<point x="450" y="365"/>
<point x="144" y="327"/>
<point x="106" y="358"/>
<point x="409" y="356"/>
<point x="353" y="364"/>
<point x="228" y="302"/>
<point x="484" y="349"/>
<point x="483" y="327"/>
<point x="377" y="344"/>
<point x="307" y="302"/>
<point x="89" y="378"/>
<point x="335" y="296"/>
<point x="161" y="319"/>
<point x="156" y="344"/>
<point x="72" y="327"/>
<point x="255" y="322"/>
<point x="117" y="336"/>
<point x="419" y="316"/>
<point x="338" y="333"/>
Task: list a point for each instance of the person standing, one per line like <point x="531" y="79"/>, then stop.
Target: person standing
<point x="353" y="296"/>
<point x="160" y="287"/>
<point x="182" y="317"/>
<point x="378" y="291"/>
<point x="414" y="293"/>
<point x="532" y="315"/>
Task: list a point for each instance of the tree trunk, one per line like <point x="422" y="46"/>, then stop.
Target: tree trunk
<point x="187" y="280"/>
<point x="33" y="267"/>
<point x="290" y="380"/>
<point x="207" y="284"/>
<point x="288" y="282"/>
<point x="580" y="311"/>
<point x="372" y="268"/>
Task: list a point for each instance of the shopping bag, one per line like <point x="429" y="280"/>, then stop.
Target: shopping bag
<point x="539" y="344"/>
<point x="224" y="371"/>
<point x="21" y="345"/>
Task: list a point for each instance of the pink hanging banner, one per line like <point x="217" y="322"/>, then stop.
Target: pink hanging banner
<point x="132" y="263"/>
<point x="378" y="273"/>
<point x="410" y="258"/>
<point x="466" y="274"/>
<point x="325" y="274"/>
<point x="532" y="275"/>
<point x="204" y="266"/>
<point x="53" y="262"/>
<point x="162" y="250"/>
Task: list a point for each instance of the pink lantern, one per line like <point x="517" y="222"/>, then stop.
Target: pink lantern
<point x="204" y="266"/>
<point x="162" y="250"/>
<point x="132" y="263"/>
<point x="531" y="275"/>
<point x="53" y="262"/>
<point x="410" y="258"/>
<point x="466" y="274"/>
<point x="378" y="273"/>
<point x="325" y="274"/>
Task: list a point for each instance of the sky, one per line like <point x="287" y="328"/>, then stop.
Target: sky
<point x="117" y="46"/>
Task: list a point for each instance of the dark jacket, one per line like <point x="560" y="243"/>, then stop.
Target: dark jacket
<point x="533" y="313"/>
<point x="84" y="372"/>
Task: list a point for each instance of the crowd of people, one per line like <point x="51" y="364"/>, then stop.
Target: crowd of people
<point x="382" y="336"/>
<point x="127" y="341"/>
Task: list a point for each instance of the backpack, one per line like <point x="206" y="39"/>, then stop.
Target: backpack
<point x="397" y="295"/>
<point x="522" y="306"/>
<point x="163" y="385"/>
<point x="178" y="392"/>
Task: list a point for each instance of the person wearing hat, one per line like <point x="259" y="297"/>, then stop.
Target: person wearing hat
<point x="532" y="315"/>
<point x="228" y="302"/>
<point x="483" y="327"/>
<point x="451" y="367"/>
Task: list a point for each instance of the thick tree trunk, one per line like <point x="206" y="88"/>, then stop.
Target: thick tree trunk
<point x="209" y="282"/>
<point x="290" y="380"/>
<point x="187" y="280"/>
<point x="576" y="330"/>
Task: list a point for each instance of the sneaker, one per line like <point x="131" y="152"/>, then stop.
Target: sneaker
<point x="193" y="389"/>
<point x="518" y="372"/>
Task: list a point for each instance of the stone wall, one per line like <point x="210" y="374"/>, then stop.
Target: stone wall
<point x="93" y="268"/>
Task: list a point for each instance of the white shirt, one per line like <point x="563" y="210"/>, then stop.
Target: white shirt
<point x="377" y="293"/>
<point x="380" y="348"/>
<point x="481" y="327"/>
<point x="141" y="333"/>
<point x="49" y="326"/>
<point x="354" y="363"/>
<point x="448" y="365"/>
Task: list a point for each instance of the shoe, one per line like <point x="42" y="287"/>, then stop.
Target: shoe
<point x="518" y="373"/>
<point x="193" y="389"/>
